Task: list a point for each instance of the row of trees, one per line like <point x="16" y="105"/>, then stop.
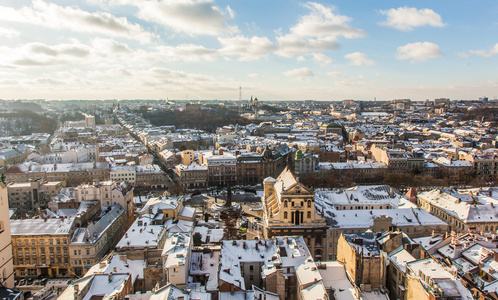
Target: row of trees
<point x="330" y="179"/>
<point x="26" y="122"/>
<point x="205" y="119"/>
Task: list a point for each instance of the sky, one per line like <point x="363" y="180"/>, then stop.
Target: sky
<point x="273" y="50"/>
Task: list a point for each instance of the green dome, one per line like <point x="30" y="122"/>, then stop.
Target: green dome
<point x="267" y="154"/>
<point x="299" y="155"/>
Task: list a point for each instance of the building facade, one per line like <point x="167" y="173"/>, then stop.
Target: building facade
<point x="289" y="209"/>
<point x="192" y="176"/>
<point x="31" y="196"/>
<point x="71" y="174"/>
<point x="89" y="244"/>
<point x="221" y="168"/>
<point x="41" y="247"/>
<point x="6" y="259"/>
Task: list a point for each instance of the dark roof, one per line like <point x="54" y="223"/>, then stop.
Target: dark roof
<point x="9" y="294"/>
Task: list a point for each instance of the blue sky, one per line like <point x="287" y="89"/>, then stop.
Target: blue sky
<point x="275" y="50"/>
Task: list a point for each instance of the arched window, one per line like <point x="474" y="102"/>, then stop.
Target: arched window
<point x="285" y="203"/>
<point x="309" y="215"/>
<point x="309" y="203"/>
<point x="285" y="215"/>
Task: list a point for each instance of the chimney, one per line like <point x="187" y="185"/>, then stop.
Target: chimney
<point x="115" y="269"/>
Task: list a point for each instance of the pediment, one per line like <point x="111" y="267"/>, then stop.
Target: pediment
<point x="298" y="188"/>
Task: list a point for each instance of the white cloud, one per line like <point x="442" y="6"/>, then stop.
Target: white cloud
<point x="58" y="17"/>
<point x="321" y="58"/>
<point x="110" y="46"/>
<point x="39" y="54"/>
<point x="301" y="73"/>
<point x="247" y="48"/>
<point x="406" y="18"/>
<point x="8" y="32"/>
<point x="301" y="58"/>
<point x="359" y="59"/>
<point x="317" y="31"/>
<point x="192" y="17"/>
<point x="183" y="52"/>
<point x="290" y="45"/>
<point x="335" y="74"/>
<point x="418" y="51"/>
<point x="253" y="75"/>
<point x="484" y="53"/>
<point x="230" y="12"/>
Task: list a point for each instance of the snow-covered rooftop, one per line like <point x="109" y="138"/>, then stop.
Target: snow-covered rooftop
<point x="142" y="233"/>
<point x="360" y="195"/>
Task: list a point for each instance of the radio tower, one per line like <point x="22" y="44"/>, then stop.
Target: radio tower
<point x="240" y="99"/>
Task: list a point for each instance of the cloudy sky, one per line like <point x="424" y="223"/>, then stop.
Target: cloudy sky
<point x="275" y="50"/>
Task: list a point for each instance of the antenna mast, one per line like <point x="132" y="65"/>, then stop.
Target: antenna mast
<point x="240" y="100"/>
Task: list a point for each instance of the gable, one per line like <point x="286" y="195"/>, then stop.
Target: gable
<point x="298" y="189"/>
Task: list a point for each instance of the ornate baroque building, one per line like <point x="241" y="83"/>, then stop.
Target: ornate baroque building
<point x="289" y="209"/>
